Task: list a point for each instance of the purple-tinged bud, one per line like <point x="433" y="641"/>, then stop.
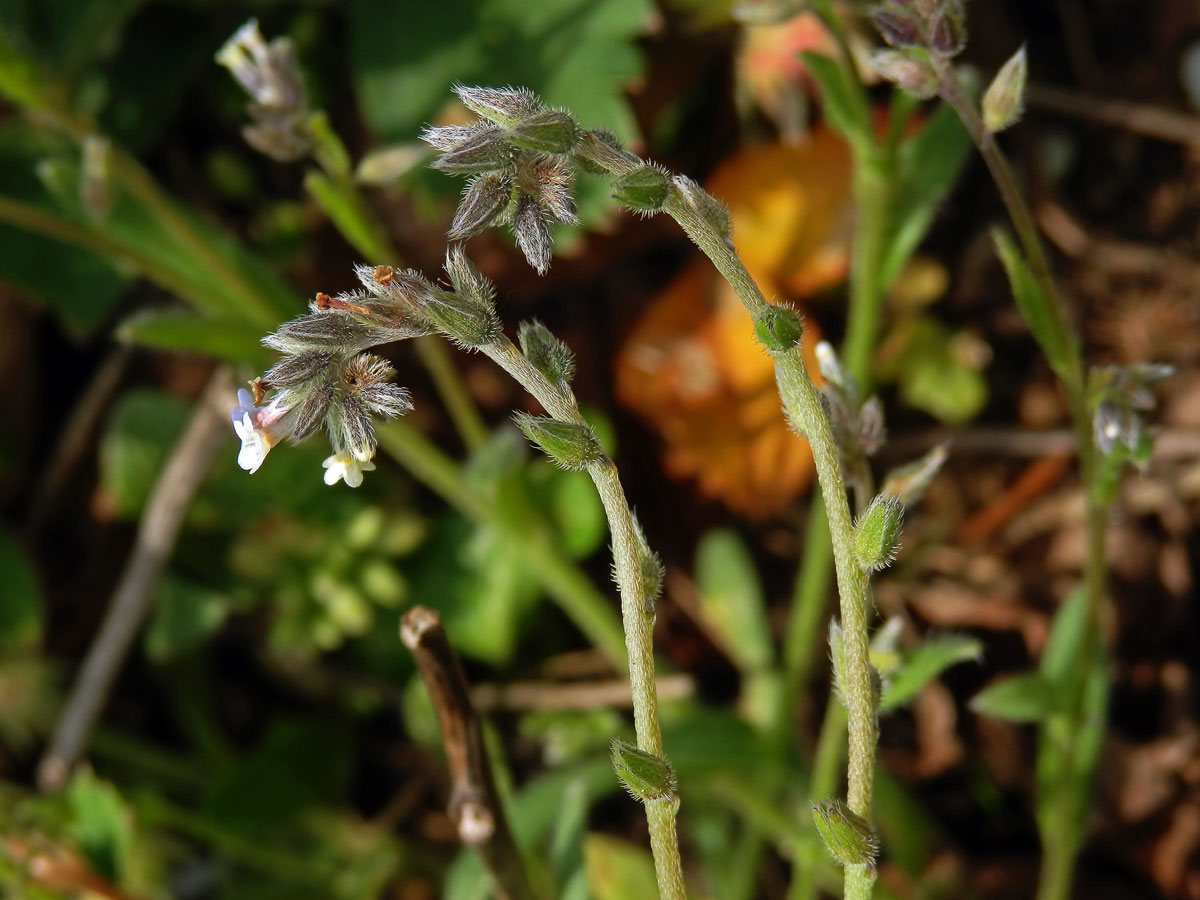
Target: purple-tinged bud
<point x="947" y="34"/>
<point x="533" y="237"/>
<point x="447" y="137"/>
<point x="1004" y="100"/>
<point x="504" y="106"/>
<point x="550" y="131"/>
<point x="872" y="431"/>
<point x="309" y="412"/>
<point x="485" y="200"/>
<point x="907" y="70"/>
<point x="899" y="26"/>
<point x="485" y="151"/>
<point x="298" y="367"/>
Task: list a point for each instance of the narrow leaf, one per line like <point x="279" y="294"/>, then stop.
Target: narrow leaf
<point x="843" y="101"/>
<point x="731" y="599"/>
<point x="926" y="663"/>
<point x="1036" y="308"/>
<point x="1022" y="698"/>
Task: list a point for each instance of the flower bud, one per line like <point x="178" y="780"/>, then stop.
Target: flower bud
<point x="484" y="151"/>
<point x="310" y="410"/>
<point x="908" y="71"/>
<point x="1004" y="100"/>
<point x="650" y="570"/>
<point x="469" y="283"/>
<point x="504" y="106"/>
<point x="484" y="201"/>
<point x="645" y="775"/>
<point x="908" y="482"/>
<point x="550" y="131"/>
<point x="877" y="533"/>
<point x="601" y="152"/>
<point x="533" y="237"/>
<point x="778" y="328"/>
<point x="547" y="353"/>
<point x="899" y="26"/>
<point x="465" y="320"/>
<point x="645" y="189"/>
<point x="293" y="369"/>
<point x="847" y="836"/>
<point x="569" y="444"/>
<point x="948" y="33"/>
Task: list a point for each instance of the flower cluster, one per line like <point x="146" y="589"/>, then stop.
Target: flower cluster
<point x="858" y="426"/>
<point x="326" y="379"/>
<point x="518" y="155"/>
<point x="279" y="104"/>
<point x="1120" y="395"/>
<point x="916" y="31"/>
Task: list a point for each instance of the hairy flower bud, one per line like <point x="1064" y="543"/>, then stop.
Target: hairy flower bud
<point x="533" y="237"/>
<point x="947" y="30"/>
<point x="907" y="483"/>
<point x="484" y="151"/>
<point x="569" y="444"/>
<point x="778" y="328"/>
<point x="547" y="353"/>
<point x="485" y="200"/>
<point x="899" y="25"/>
<point x="504" y="106"/>
<point x="877" y="533"/>
<point x="549" y="131"/>
<point x="296" y="368"/>
<point x="908" y="70"/>
<point x="1004" y="99"/>
<point x="644" y="190"/>
<point x="466" y="321"/>
<point x="847" y="836"/>
<point x="646" y="776"/>
<point x="469" y="283"/>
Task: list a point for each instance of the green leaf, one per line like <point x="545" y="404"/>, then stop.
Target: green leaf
<point x="140" y="432"/>
<point x="180" y="330"/>
<point x="184" y="615"/>
<point x="575" y="507"/>
<point x="343" y="207"/>
<point x="842" y="101"/>
<point x="925" y="663"/>
<point x="101" y="824"/>
<point x="619" y="870"/>
<point x="21" y="609"/>
<point x="1021" y="698"/>
<point x="927" y="165"/>
<point x="577" y="54"/>
<point x="1036" y="308"/>
<point x="1064" y="648"/>
<point x="731" y="600"/>
<point x="936" y="370"/>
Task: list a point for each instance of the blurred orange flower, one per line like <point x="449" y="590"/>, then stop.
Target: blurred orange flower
<point x="692" y="368"/>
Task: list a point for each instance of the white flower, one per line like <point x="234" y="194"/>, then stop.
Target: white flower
<point x="343" y="466"/>
<point x="257" y="440"/>
<point x="256" y="444"/>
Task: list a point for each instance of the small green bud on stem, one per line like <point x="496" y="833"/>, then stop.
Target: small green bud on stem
<point x="778" y="328"/>
<point x="877" y="533"/>
<point x="1004" y="100"/>
<point x="645" y="189"/>
<point x="847" y="836"/>
<point x="645" y="775"/>
<point x="570" y="445"/>
<point x="547" y="353"/>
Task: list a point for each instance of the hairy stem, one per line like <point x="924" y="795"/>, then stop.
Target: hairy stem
<point x="637" y="609"/>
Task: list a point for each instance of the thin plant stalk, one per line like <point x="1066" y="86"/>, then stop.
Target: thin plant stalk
<point x="1061" y="837"/>
<point x="637" y="609"/>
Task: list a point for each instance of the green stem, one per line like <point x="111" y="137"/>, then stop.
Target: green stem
<point x="872" y="204"/>
<point x="637" y="609"/>
<point x="1061" y="841"/>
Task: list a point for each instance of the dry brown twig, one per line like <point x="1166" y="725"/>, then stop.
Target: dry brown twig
<point x="475" y="807"/>
<point x="157" y="533"/>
